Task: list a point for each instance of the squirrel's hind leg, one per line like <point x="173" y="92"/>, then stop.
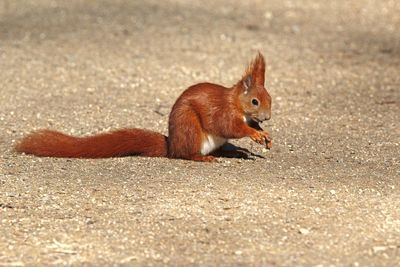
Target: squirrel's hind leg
<point x="185" y="135"/>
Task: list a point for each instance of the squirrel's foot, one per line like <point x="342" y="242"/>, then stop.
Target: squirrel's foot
<point x="207" y="158"/>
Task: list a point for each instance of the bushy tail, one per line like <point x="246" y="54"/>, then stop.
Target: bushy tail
<point x="119" y="143"/>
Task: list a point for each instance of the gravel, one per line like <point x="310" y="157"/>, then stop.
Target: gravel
<point x="327" y="194"/>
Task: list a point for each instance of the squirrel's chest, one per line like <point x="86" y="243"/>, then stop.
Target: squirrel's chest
<point x="211" y="143"/>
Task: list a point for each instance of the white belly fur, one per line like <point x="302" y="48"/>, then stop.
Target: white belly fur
<point x="211" y="143"/>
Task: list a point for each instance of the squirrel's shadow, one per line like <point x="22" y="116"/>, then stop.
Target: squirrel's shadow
<point x="229" y="150"/>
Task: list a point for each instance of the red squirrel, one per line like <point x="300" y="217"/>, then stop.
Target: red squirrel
<point x="202" y="119"/>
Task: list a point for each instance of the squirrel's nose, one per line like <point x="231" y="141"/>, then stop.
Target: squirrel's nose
<point x="265" y="116"/>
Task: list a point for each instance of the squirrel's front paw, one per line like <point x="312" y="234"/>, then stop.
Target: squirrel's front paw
<point x="268" y="140"/>
<point x="262" y="138"/>
<point x="257" y="137"/>
<point x="268" y="144"/>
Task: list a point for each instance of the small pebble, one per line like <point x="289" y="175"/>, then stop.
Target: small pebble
<point x="377" y="249"/>
<point x="304" y="231"/>
<point x="238" y="252"/>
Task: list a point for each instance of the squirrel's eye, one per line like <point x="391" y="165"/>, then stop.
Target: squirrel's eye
<point x="254" y="102"/>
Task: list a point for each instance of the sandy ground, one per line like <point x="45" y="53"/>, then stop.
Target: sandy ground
<point x="327" y="194"/>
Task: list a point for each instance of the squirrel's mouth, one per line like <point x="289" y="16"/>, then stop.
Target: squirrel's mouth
<point x="260" y="118"/>
<point x="256" y="120"/>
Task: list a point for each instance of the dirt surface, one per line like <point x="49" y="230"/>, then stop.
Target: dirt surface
<point x="327" y="194"/>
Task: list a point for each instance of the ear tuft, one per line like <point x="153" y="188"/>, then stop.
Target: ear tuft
<point x="257" y="70"/>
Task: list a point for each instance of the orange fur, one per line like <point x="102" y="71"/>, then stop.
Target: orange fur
<point x="114" y="144"/>
<point x="204" y="111"/>
<point x="256" y="69"/>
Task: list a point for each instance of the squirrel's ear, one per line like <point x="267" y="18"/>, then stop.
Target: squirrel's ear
<point x="258" y="70"/>
<point x="254" y="74"/>
<point x="247" y="83"/>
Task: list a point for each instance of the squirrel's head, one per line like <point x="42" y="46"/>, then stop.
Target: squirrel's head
<point x="254" y="98"/>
